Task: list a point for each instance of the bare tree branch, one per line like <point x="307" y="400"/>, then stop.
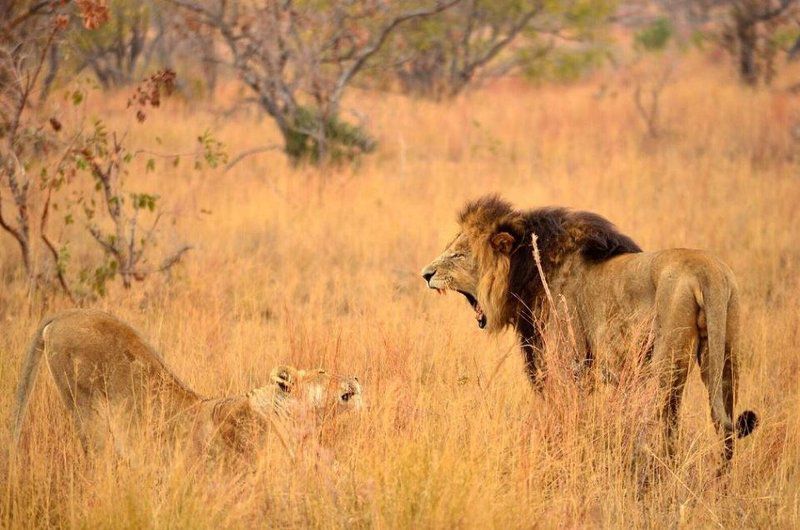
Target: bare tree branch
<point x="249" y="152"/>
<point x="16" y="234"/>
<point x="62" y="281"/>
<point x="174" y="258"/>
<point x="372" y="48"/>
<point x="469" y="69"/>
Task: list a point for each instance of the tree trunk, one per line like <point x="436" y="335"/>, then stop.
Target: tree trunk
<point x="53" y="64"/>
<point x="746" y="35"/>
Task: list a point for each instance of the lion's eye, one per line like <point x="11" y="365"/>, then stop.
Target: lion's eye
<point x="346" y="396"/>
<point x="457" y="255"/>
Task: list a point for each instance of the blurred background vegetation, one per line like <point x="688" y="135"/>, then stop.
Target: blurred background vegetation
<point x="293" y="62"/>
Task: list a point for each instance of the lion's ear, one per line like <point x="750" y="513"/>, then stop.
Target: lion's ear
<point x="503" y="242"/>
<point x="284" y="377"/>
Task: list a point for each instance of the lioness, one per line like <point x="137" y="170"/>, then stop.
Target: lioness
<point x="687" y="299"/>
<point x="108" y="375"/>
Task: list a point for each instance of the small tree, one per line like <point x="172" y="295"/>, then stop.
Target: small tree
<point x="477" y="39"/>
<point x="299" y="58"/>
<point x="104" y="156"/>
<point x="123" y="222"/>
<point x="653" y="39"/>
<point x="751" y="35"/>
<point x="116" y="52"/>
<point x="42" y="156"/>
<point x="30" y="31"/>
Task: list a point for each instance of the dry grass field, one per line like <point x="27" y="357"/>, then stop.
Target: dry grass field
<point x="321" y="268"/>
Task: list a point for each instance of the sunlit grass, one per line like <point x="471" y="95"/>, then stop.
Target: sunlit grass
<point x="322" y="268"/>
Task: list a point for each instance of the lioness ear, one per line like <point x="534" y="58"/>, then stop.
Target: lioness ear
<point x="503" y="242"/>
<point x="284" y="377"/>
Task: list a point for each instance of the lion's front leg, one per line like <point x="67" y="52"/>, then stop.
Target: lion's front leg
<point x="532" y="366"/>
<point x="532" y="352"/>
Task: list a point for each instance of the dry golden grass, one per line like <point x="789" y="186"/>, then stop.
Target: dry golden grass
<point x="309" y="268"/>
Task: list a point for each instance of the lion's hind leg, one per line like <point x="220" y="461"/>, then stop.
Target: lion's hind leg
<point x="675" y="344"/>
<point x="77" y="400"/>
<point x="716" y="375"/>
<point x="673" y="381"/>
<point x="83" y="402"/>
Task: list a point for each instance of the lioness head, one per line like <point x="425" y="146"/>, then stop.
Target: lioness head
<point x="477" y="261"/>
<point x="325" y="394"/>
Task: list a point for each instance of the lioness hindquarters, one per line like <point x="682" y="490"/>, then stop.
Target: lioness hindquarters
<point x="104" y="373"/>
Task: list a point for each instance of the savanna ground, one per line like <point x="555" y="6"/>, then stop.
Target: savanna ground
<point x="321" y="268"/>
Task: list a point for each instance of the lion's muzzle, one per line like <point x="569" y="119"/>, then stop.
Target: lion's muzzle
<point x="427" y="274"/>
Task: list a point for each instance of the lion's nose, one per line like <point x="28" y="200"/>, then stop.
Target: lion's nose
<point x="428" y="274"/>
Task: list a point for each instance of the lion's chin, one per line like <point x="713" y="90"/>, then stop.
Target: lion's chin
<point x="479" y="315"/>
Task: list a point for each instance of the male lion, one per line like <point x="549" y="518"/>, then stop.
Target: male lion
<point x="686" y="299"/>
<point x="107" y="375"/>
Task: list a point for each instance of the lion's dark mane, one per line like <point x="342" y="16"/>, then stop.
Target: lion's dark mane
<point x="560" y="233"/>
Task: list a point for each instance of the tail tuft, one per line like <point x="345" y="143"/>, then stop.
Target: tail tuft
<point x="746" y="423"/>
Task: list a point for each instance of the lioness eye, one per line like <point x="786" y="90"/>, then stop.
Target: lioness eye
<point x="346" y="396"/>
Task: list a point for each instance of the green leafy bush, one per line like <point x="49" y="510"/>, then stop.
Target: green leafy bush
<point x="343" y="141"/>
<point x="654" y="37"/>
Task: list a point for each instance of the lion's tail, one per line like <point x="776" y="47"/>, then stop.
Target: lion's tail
<point x="746" y="423"/>
<point x="28" y="378"/>
<point x="722" y="364"/>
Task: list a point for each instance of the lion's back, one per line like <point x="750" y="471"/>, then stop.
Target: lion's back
<point x="703" y="269"/>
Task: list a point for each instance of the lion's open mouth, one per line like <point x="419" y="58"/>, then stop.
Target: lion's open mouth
<point x="479" y="316"/>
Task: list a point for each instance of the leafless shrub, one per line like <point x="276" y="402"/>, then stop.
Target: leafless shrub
<point x="648" y="101"/>
<point x="299" y="59"/>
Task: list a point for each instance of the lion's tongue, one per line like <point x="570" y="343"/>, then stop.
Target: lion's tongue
<point x="479" y="316"/>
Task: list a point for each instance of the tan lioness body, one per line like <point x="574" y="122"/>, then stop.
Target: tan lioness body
<point x="110" y="380"/>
